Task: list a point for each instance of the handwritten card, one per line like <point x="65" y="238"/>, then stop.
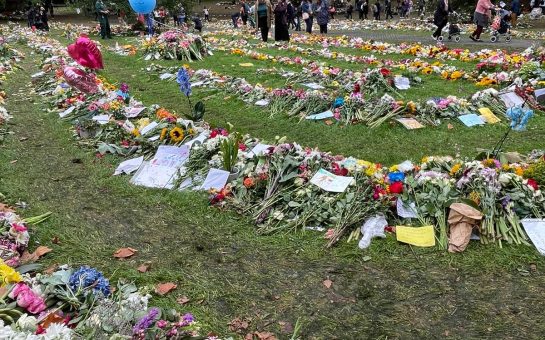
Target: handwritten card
<point x="258" y="150"/>
<point x="420" y="236"/>
<point x="132" y="112"/>
<point x="170" y="156"/>
<point x="535" y="229"/>
<point x="511" y="99"/>
<point x="330" y="182"/>
<point x="488" y="116"/>
<point x="155" y="176"/>
<point x="101" y="119"/>
<point x="471" y="119"/>
<point x="410" y="123"/>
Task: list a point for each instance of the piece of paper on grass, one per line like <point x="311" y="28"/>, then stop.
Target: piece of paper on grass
<point x="488" y="116"/>
<point x="216" y="179"/>
<point x="101" y="119"/>
<point x="129" y="166"/>
<point x="246" y="64"/>
<point x="319" y="116"/>
<point x="471" y="119"/>
<point x="258" y="150"/>
<point x="511" y="99"/>
<point x="419" y="236"/>
<point x="67" y="111"/>
<point x="155" y="176"/>
<point x="535" y="229"/>
<point x="410" y="123"/>
<point x="262" y="102"/>
<point x="330" y="182"/>
<point x="165" y="76"/>
<point x="402" y="83"/>
<point x="314" y="86"/>
<point x="148" y="128"/>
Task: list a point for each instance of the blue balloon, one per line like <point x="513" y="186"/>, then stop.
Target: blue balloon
<point x="143" y="6"/>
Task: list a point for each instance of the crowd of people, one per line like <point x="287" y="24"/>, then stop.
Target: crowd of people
<point x="38" y="15"/>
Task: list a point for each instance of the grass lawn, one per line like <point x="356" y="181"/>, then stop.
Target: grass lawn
<point x="227" y="271"/>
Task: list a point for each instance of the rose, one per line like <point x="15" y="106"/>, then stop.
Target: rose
<point x="27" y="299"/>
<point x="533" y="184"/>
<point x="396" y="188"/>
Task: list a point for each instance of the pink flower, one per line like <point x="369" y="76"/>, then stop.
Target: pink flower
<point x="27" y="299"/>
<point x="161" y="323"/>
<point x="20" y="228"/>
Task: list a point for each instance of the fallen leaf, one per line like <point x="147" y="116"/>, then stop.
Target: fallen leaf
<point x="123" y="253"/>
<point x="366" y="258"/>
<point x="328" y="122"/>
<point x="5" y="208"/>
<point x="33" y="257"/>
<point x="182" y="300"/>
<point x="22" y="139"/>
<point x="285" y="327"/>
<point x="450" y="126"/>
<point x="238" y="325"/>
<point x="164" y="288"/>
<point x="50" y="319"/>
<point x="51" y="269"/>
<point x="265" y="335"/>
<point x="327" y="283"/>
<point x="144" y="267"/>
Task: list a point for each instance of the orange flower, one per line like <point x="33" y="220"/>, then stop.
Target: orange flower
<point x="248" y="182"/>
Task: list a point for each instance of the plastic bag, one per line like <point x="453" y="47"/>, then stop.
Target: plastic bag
<point x="373" y="227"/>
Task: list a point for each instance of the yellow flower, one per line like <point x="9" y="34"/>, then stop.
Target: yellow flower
<point x="393" y="168"/>
<point x="176" y="134"/>
<point x="136" y="132"/>
<point x="163" y="133"/>
<point x="427" y="70"/>
<point x="456" y="75"/>
<point x="8" y="275"/>
<point x="424" y="160"/>
<point x="455" y="168"/>
<point x="191" y="131"/>
<point x="519" y="171"/>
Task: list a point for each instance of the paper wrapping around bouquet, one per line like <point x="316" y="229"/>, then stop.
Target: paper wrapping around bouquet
<point x="462" y="219"/>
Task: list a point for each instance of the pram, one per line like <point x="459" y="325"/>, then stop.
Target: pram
<point x="453" y="28"/>
<point x="501" y="26"/>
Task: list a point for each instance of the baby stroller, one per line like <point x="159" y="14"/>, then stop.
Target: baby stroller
<point x="453" y="28"/>
<point x="501" y="26"/>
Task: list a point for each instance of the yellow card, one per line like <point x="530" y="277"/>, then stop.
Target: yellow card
<point x="489" y="116"/>
<point x="421" y="236"/>
<point x="246" y="64"/>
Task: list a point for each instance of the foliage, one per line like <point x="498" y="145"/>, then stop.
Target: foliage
<point x="536" y="171"/>
<point x="229" y="149"/>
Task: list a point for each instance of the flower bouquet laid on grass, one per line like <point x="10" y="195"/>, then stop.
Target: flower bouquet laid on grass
<point x="174" y="45"/>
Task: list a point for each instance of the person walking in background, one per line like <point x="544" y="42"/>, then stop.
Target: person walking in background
<point x="291" y="16"/>
<point x="31" y="16"/>
<point x="298" y="15"/>
<point x="49" y="7"/>
<point x="332" y="11"/>
<point x="359" y="9"/>
<point x="349" y="10"/>
<point x="281" y="21"/>
<point x="206" y="14"/>
<point x="244" y="10"/>
<point x="440" y="18"/>
<point x="306" y="9"/>
<point x="365" y="9"/>
<point x="516" y="10"/>
<point x="322" y="15"/>
<point x="388" y="6"/>
<point x="263" y="17"/>
<point x="421" y="8"/>
<point x="103" y="12"/>
<point x="376" y="10"/>
<point x="480" y="17"/>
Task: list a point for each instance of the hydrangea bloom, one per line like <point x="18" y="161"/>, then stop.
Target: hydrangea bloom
<point x="182" y="79"/>
<point x="86" y="277"/>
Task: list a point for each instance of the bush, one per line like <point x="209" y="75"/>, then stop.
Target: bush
<point x="536" y="171"/>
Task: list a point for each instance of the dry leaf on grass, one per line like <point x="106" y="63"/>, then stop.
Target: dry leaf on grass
<point x="265" y="335"/>
<point x="238" y="325"/>
<point x="327" y="283"/>
<point x="164" y="288"/>
<point x="182" y="300"/>
<point x="144" y="267"/>
<point x="123" y="253"/>
<point x="328" y="122"/>
<point x="285" y="327"/>
<point x="450" y="126"/>
<point x="5" y="208"/>
<point x="33" y="257"/>
<point x="51" y="269"/>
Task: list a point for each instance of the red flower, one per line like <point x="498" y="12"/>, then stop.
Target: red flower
<point x="532" y="183"/>
<point x="356" y="88"/>
<point x="40" y="330"/>
<point x="396" y="188"/>
<point x="339" y="170"/>
<point x="385" y="72"/>
<point x="242" y="147"/>
<point x="378" y="192"/>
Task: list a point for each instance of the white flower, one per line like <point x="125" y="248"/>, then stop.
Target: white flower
<point x="27" y="323"/>
<point x="505" y="178"/>
<point x="57" y="331"/>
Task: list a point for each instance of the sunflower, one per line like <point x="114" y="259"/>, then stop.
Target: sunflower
<point x="176" y="134"/>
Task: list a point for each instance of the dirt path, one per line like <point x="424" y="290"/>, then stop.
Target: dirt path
<point x="227" y="271"/>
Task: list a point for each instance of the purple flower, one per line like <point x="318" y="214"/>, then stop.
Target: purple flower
<point x="146" y="321"/>
<point x="124" y="87"/>
<point x="188" y="318"/>
<point x="505" y="201"/>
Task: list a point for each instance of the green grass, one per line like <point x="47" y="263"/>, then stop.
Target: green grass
<point x="226" y="270"/>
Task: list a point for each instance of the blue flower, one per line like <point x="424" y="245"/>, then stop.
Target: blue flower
<point x="86" y="277"/>
<point x="519" y="117"/>
<point x="182" y="79"/>
<point x="338" y="102"/>
<point x="396" y="176"/>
